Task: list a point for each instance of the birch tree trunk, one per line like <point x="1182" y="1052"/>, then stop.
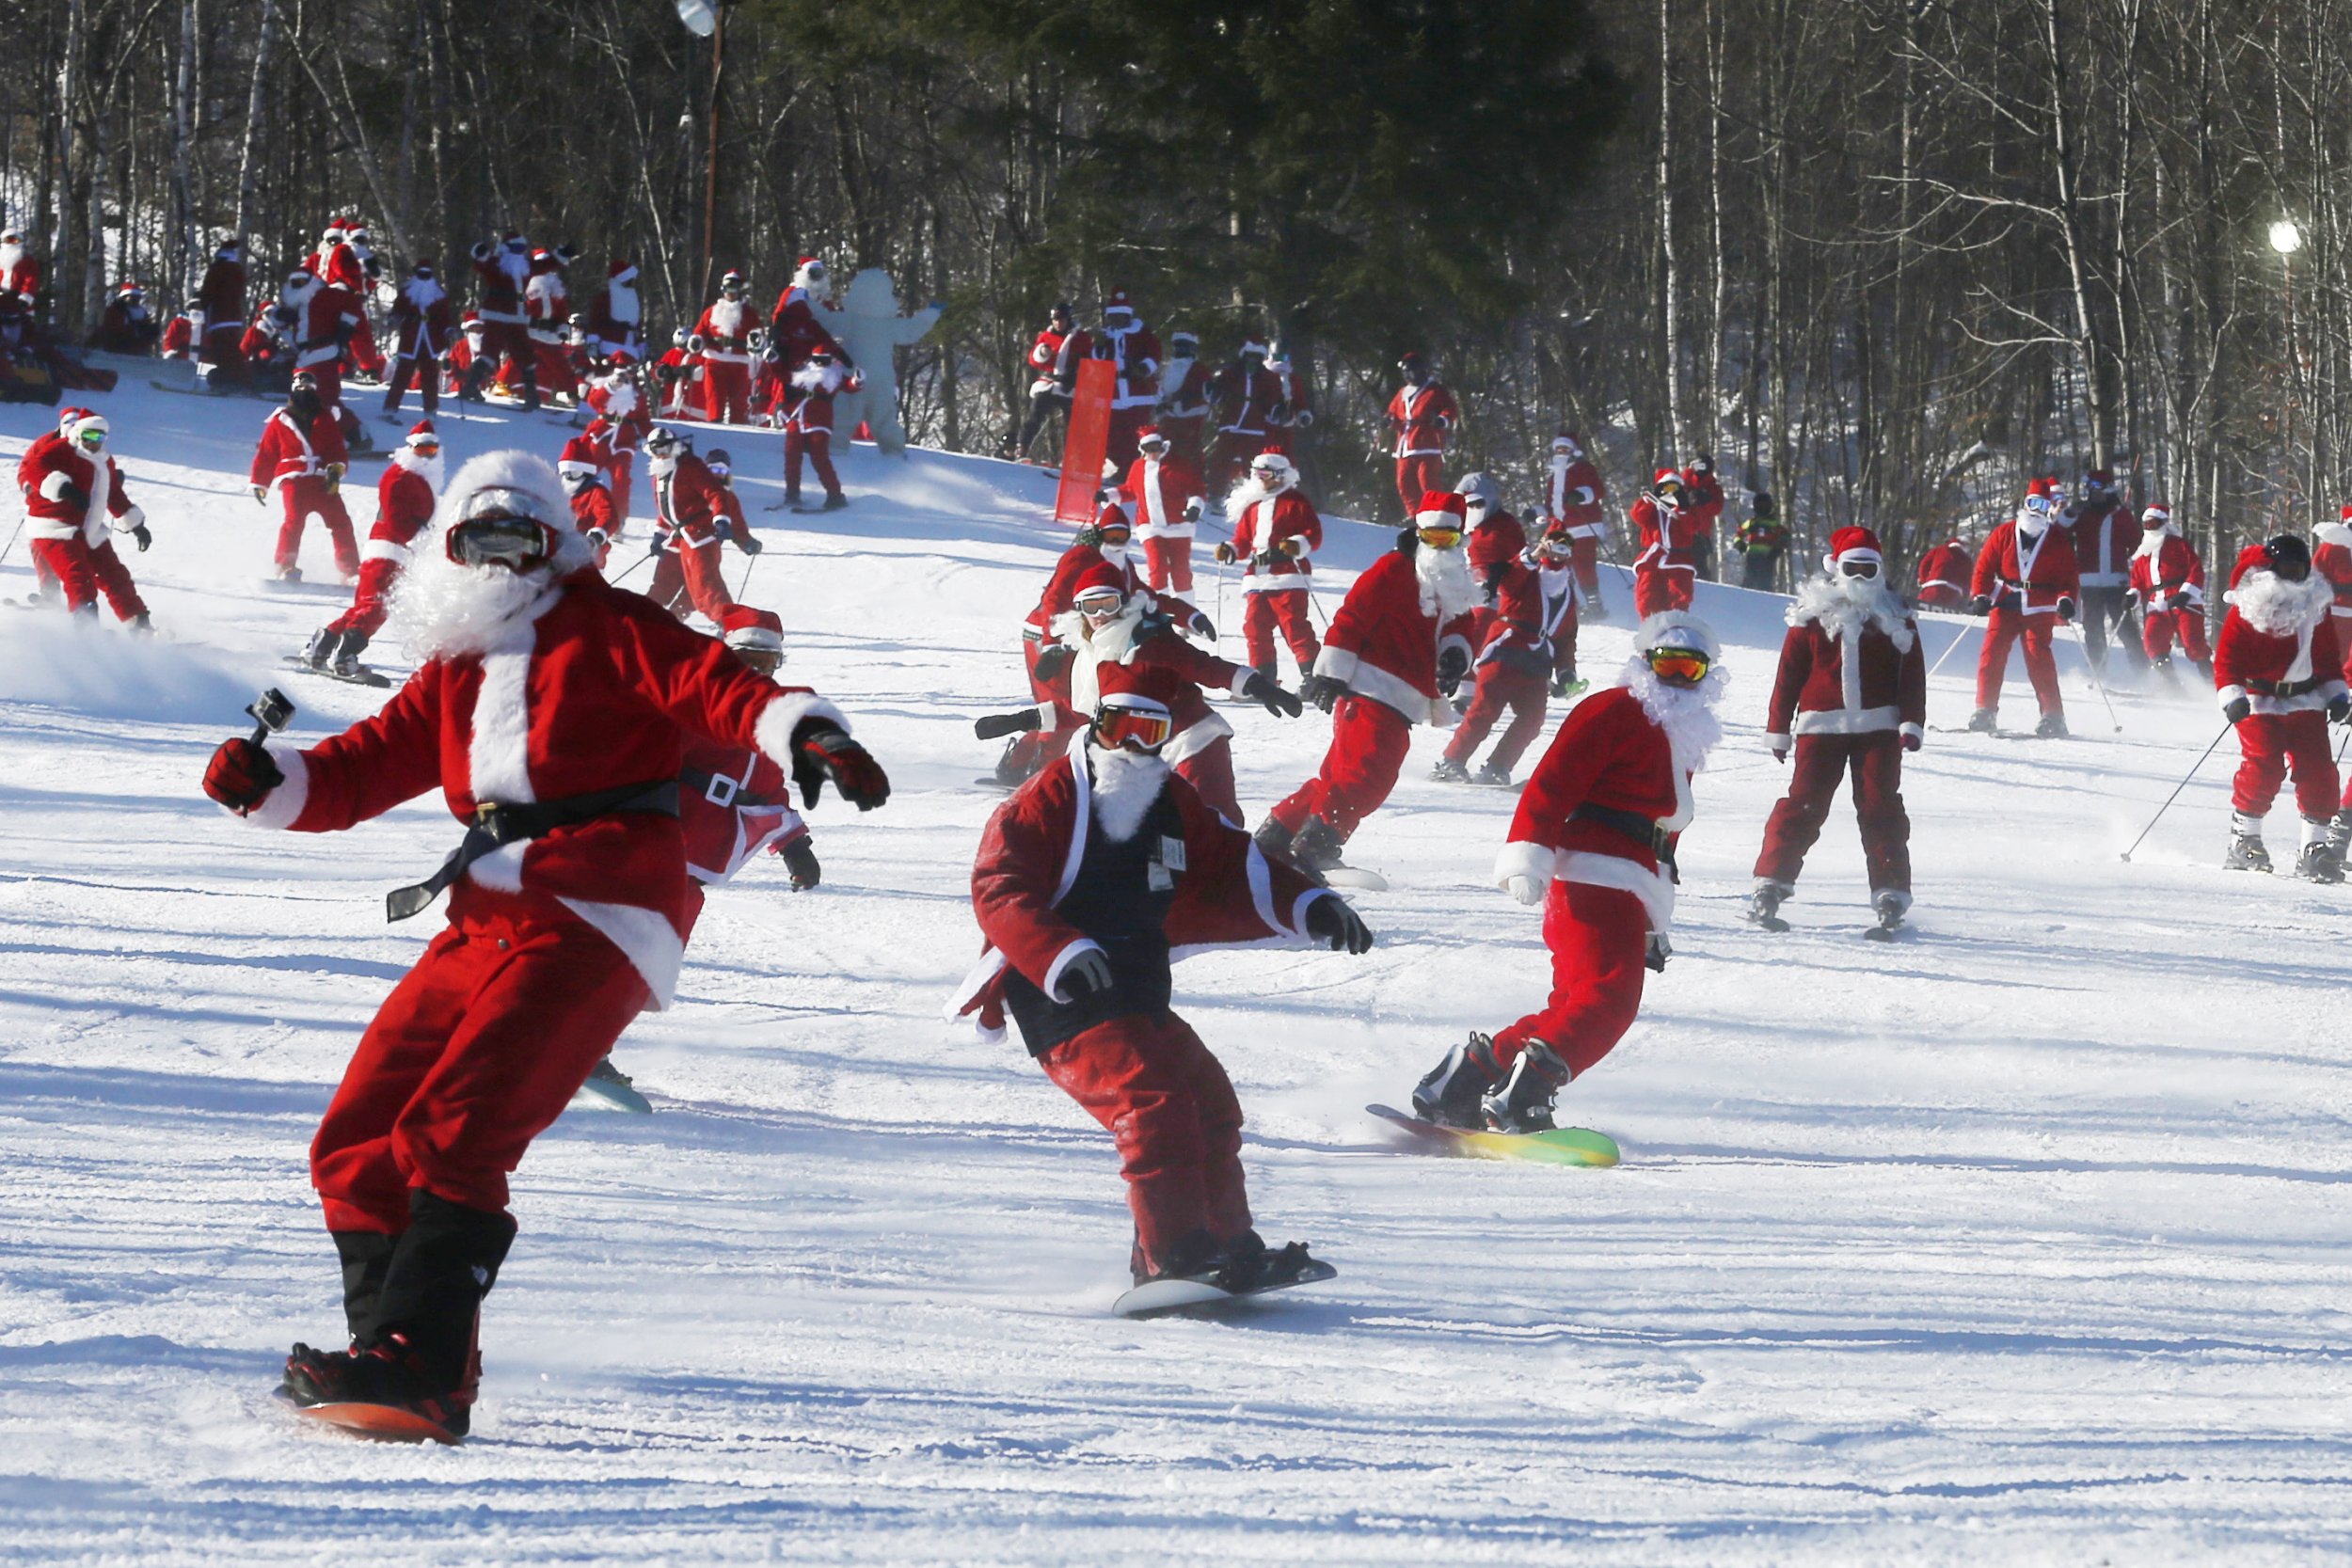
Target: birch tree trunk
<point x="248" y="164"/>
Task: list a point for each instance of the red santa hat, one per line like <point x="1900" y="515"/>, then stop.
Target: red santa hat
<point x="1148" y="434"/>
<point x="470" y="321"/>
<point x="744" y="627"/>
<point x="579" y="461"/>
<point x="1440" y="509"/>
<point x="1566" y="441"/>
<point x="2041" y="487"/>
<point x="334" y="234"/>
<point x="1097" y="578"/>
<point x="2253" y="558"/>
<point x="67" y="416"/>
<point x="2157" y="515"/>
<point x="621" y="270"/>
<point x="1854" y="543"/>
<point x="2347" y="513"/>
<point x="421" y="433"/>
<point x="808" y="272"/>
<point x="1116" y="305"/>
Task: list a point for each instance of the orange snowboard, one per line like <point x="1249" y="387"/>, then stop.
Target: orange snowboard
<point x="383" y="1423"/>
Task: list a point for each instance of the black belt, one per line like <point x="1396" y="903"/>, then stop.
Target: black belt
<point x="497" y="825"/>
<point x="2283" y="689"/>
<point x="720" y="790"/>
<point x="1644" y="830"/>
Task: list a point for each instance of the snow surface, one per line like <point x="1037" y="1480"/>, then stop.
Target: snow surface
<point x="2021" y="1241"/>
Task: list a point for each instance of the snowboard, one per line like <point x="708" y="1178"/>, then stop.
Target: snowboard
<point x="362" y="676"/>
<point x="381" y="1423"/>
<point x="1356" y="878"/>
<point x="1563" y="1146"/>
<point x="611" y="1092"/>
<point x="308" y="588"/>
<point x="1162" y="1297"/>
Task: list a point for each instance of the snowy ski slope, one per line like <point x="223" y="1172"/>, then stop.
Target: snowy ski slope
<point x="2021" y="1241"/>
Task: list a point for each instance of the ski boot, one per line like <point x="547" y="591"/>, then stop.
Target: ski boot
<point x="1764" y="904"/>
<point x="321" y="653"/>
<point x="1982" y="721"/>
<point x="2245" y="852"/>
<point x="800" y="859"/>
<point x="1494" y="775"/>
<point x="1450" y="772"/>
<point x="2320" y="859"/>
<point x="2162" y="665"/>
<point x="1890" y="905"/>
<point x="2053" y="727"/>
<point x="1451" y="1094"/>
<point x="1523" y="1102"/>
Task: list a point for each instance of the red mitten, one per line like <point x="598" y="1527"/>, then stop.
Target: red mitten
<point x="241" y="775"/>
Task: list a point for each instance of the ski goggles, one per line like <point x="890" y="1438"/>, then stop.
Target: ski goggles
<point x="1117" y="534"/>
<point x="1858" y="568"/>
<point x="90" y="440"/>
<point x="2037" y="503"/>
<point x="1130" y="728"/>
<point x="1101" y="604"/>
<point x="1556" y="546"/>
<point x="1439" y="538"/>
<point x="1678" y="666"/>
<point x="508" y="539"/>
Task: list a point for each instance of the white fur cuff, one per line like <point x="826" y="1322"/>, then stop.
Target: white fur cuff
<point x="282" y="807"/>
<point x="1524" y="858"/>
<point x="780" y="718"/>
<point x="1052" y="987"/>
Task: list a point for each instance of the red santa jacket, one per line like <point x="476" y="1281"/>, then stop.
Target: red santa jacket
<point x="223" y="293"/>
<point x="1384" y="644"/>
<point x="812" y="414"/>
<point x="2278" y="647"/>
<point x="289" y="450"/>
<point x="404" y="504"/>
<point x="795" y="333"/>
<point x="1702" y="500"/>
<point x="615" y="317"/>
<point x="725" y="328"/>
<point x="1184" y="393"/>
<point x="1573" y="495"/>
<point x="52" y="468"/>
<point x="1135" y="353"/>
<point x="1845" y="669"/>
<point x="1160" y="491"/>
<point x="592" y="513"/>
<point x="1943" y="577"/>
<point x="1516" y="634"/>
<point x="2042" y="570"/>
<point x="501" y="274"/>
<point x="419" y="327"/>
<point x="1062" y="589"/>
<point x="1276" y="522"/>
<point x="2168" y="575"/>
<point x="179" y="337"/>
<point x="1227" y="894"/>
<point x="1139" y="653"/>
<point x="2104" y="542"/>
<point x="1669" y="534"/>
<point x="1246" y="399"/>
<point x="20" y="275"/>
<point x="2331" y="559"/>
<point x="547" y="299"/>
<point x="327" y="319"/>
<point x="688" y="499"/>
<point x="1044" y="354"/>
<point x="338" y="266"/>
<point x="732" y="804"/>
<point x="1609" y="753"/>
<point x="1425" y="417"/>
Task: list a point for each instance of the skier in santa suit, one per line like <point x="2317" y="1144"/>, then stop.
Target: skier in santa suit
<point x="1666" y="573"/>
<point x="1048" y="396"/>
<point x="2025" y="582"/>
<point x="1553" y="557"/>
<point x="617" y="435"/>
<point x="589" y="489"/>
<point x="1245" y="395"/>
<point x="1703" y="500"/>
<point x="1398" y="647"/>
<point x="223" y="293"/>
<point x="734" y="803"/>
<point x="1133" y="352"/>
<point x="1123" y="641"/>
<point x="2280" y="673"/>
<point x="809" y="428"/>
<point x="1423" y="413"/>
<point x="1593" y="843"/>
<point x="1102" y="541"/>
<point x="404" y="499"/>
<point x="694" y="512"/>
<point x="501" y="271"/>
<point x="1495" y="535"/>
<point x="547" y="313"/>
<point x="1276" y="534"/>
<point x="2104" y="537"/>
<point x="1164" y="491"/>
<point x="183" y="332"/>
<point x="673" y="373"/>
<point x="74" y="501"/>
<point x="2331" y="559"/>
<point x="726" y="329"/>
<point x="1184" y="412"/>
<point x="302" y="456"/>
<point x="793" y="326"/>
<point x="553" y="712"/>
<point x="326" y="320"/>
<point x="1514" y="659"/>
<point x="1574" y="496"/>
<point x="1943" y="575"/>
<point x="616" y="318"/>
<point x="1084" y="881"/>
<point x="420" y="338"/>
<point x="2168" y="586"/>
<point x="1850" y="697"/>
<point x="20" y="275"/>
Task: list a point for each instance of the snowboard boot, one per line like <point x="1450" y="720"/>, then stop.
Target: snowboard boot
<point x="141" y="625"/>
<point x="321" y="653"/>
<point x="1264" y="1267"/>
<point x="1195" y="1255"/>
<point x="800" y="861"/>
<point x="2319" y="861"/>
<point x="1982" y="721"/>
<point x="605" y="1072"/>
<point x="1890" y="904"/>
<point x="2245" y="852"/>
<point x="1450" y="772"/>
<point x="1450" y="1094"/>
<point x="366" y="1255"/>
<point x="1523" y="1102"/>
<point x="289" y="573"/>
<point x="1764" y="904"/>
<point x="347" y="652"/>
<point x="1273" y="841"/>
<point x="1492" y="774"/>
<point x="792" y="496"/>
<point x="2053" y="727"/>
<point x="1317" y="850"/>
<point x="421" y="1354"/>
<point x="390" y="1372"/>
<point x="835" y="502"/>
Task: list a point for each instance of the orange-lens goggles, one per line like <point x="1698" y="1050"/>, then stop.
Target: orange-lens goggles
<point x="1678" y="666"/>
<point x="1439" y="538"/>
<point x="1133" y="730"/>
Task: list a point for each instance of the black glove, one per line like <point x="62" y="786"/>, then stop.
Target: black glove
<point x="2339" y="710"/>
<point x="2237" y="709"/>
<point x="1321" y="690"/>
<point x="73" y="495"/>
<point x="1331" y="921"/>
<point x="1202" y="627"/>
<point x="139" y="532"/>
<point x="1452" y="664"/>
<point x="1255" y="686"/>
<point x="822" y="750"/>
<point x="997" y="724"/>
<point x="1560" y="681"/>
<point x="2066" y="606"/>
<point x="1087" y="975"/>
<point x="748" y="542"/>
<point x="1980" y="605"/>
<point x="1268" y="558"/>
<point x="241" y="775"/>
<point x="1657" y="951"/>
<point x="654" y="545"/>
<point x="1053" y="660"/>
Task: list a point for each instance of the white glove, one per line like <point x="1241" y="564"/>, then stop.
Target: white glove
<point x="1527" y="889"/>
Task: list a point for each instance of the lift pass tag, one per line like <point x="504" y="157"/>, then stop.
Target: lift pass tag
<point x="1160" y="876"/>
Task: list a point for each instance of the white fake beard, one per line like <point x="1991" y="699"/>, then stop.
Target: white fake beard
<point x="1687" y="714"/>
<point x="2277" y="608"/>
<point x="2152" y="541"/>
<point x="430" y="469"/>
<point x="9" y="256"/>
<point x="726" y="315"/>
<point x="1247" y="494"/>
<point x="2033" y="525"/>
<point x="1447" y="587"/>
<point x="660" y="467"/>
<point x="1126" y="785"/>
<point x="441" y="609"/>
<point x="1115" y="554"/>
<point x="1844" y="603"/>
<point x="623" y="303"/>
<point x="1172" y="374"/>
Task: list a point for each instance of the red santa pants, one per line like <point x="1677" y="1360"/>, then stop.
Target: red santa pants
<point x="1369" y="740"/>
<point x="85" y="571"/>
<point x="2271" y="745"/>
<point x="1125" y="426"/>
<point x="2037" y="633"/>
<point x="1663" y="580"/>
<point x="816" y="446"/>
<point x="689" y="573"/>
<point x="1417" y="474"/>
<point x="618" y="474"/>
<point x="554" y="369"/>
<point x="302" y="495"/>
<point x="1167" y="1102"/>
<point x="425" y="373"/>
<point x="474" y="1054"/>
<point x="726" y="392"/>
<point x="1210" y="772"/>
<point x="1167" y="565"/>
<point x="1942" y="596"/>
<point x="2159" y="628"/>
<point x="1230" y="457"/>
<point x="1285" y="607"/>
<point x="1876" y="762"/>
<point x="1500" y="690"/>
<point x="1584" y="559"/>
<point x="224" y="350"/>
<point x="371" y="604"/>
<point x="1599" y="937"/>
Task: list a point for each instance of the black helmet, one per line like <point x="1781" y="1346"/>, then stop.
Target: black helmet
<point x="2290" y="558"/>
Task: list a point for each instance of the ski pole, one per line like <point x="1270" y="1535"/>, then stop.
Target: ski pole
<point x="1220" y="602"/>
<point x="2176" y="793"/>
<point x="1957" y="639"/>
<point x="749" y="563"/>
<point x="2099" y="686"/>
<point x="629" y="571"/>
<point x="12" y="538"/>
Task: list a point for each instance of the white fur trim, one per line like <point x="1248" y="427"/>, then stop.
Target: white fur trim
<point x="1912" y="731"/>
<point x="1653" y="888"/>
<point x="1285" y="583"/>
<point x="772" y="734"/>
<point x="1195" y="738"/>
<point x="2230" y="693"/>
<point x="1051" y="985"/>
<point x="502" y="869"/>
<point x="2332" y="533"/>
<point x="990" y="965"/>
<point x="1370" y="680"/>
<point x="383" y="549"/>
<point x="1848" y="721"/>
<point x="644" y="937"/>
<point x="498" y="752"/>
<point x="1525" y="858"/>
<point x="1081" y="820"/>
<point x="282" y="807"/>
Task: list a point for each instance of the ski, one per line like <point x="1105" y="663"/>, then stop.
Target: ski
<point x="1562" y="1146"/>
<point x="1161" y="1298"/>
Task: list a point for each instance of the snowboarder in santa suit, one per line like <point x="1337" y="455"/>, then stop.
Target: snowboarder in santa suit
<point x="1666" y="573"/>
<point x="127" y="325"/>
<point x="1850" y="697"/>
<point x="1553" y="557"/>
<point x="501" y="271"/>
<point x="2105" y="538"/>
<point x="421" y="337"/>
<point x="1397" y="648"/>
<point x="793" y="327"/>
<point x="1942" y="576"/>
<point x="223" y="295"/>
<point x="302" y="456"/>
<point x="74" y="501"/>
<point x="1085" y="880"/>
<point x="1424" y="414"/>
<point x="2280" y="674"/>
<point x="1276" y="533"/>
<point x="808" y="427"/>
<point x="1102" y="541"/>
<point x="1164" y="491"/>
<point x="1048" y="394"/>
<point x="1514" y="660"/>
<point x="693" y="513"/>
<point x="1246" y="394"/>
<point x="1573" y="498"/>
<point x="1593" y="843"/>
<point x="2026" y="581"/>
<point x="404" y="499"/>
<point x="676" y="372"/>
<point x="554" y="713"/>
<point x="2168" y="586"/>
